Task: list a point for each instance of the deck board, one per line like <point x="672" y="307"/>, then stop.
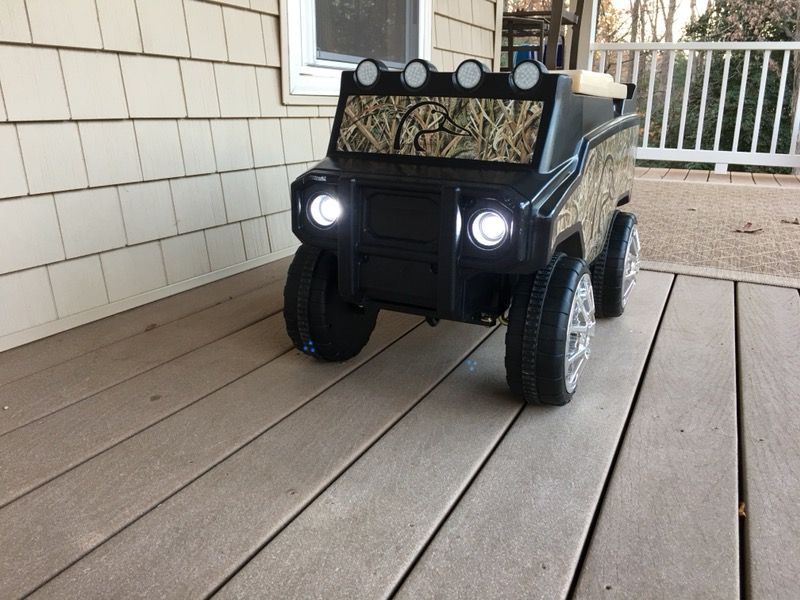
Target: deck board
<point x="108" y="492"/>
<point x="697" y="175"/>
<point x="42" y="354"/>
<point x="654" y="173"/>
<point x="769" y="330"/>
<point x="308" y="474"/>
<point x="54" y="444"/>
<point x="676" y="175"/>
<point x="279" y="472"/>
<point x="532" y="504"/>
<point x="407" y="483"/>
<point x="243" y="501"/>
<point x="46" y="391"/>
<point x="668" y="521"/>
<point x="742" y="178"/>
<point x="785" y="180"/>
<point x="394" y="497"/>
<point x="765" y="179"/>
<point x="714" y="177"/>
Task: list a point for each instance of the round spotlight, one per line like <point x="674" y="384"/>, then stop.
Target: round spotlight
<point x="367" y="73"/>
<point x="488" y="229"/>
<point x="470" y="74"/>
<point x="526" y="75"/>
<point x="324" y="210"/>
<point x="416" y="74"/>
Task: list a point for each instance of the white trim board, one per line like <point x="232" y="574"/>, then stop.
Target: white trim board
<point x="20" y="338"/>
<point x="305" y="83"/>
<point x="719" y="156"/>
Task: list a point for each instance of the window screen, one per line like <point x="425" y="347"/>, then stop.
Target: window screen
<point x="349" y="30"/>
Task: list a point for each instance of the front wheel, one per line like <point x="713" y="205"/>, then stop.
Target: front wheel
<point x="550" y="329"/>
<point x="318" y="320"/>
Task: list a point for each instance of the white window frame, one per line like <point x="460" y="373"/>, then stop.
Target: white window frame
<point x="309" y="76"/>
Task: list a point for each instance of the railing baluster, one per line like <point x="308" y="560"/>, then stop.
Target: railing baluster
<point x="626" y="62"/>
<point x="667" y="98"/>
<point x="793" y="149"/>
<point x="686" y="87"/>
<point x="742" y="88"/>
<point x="649" y="111"/>
<point x="704" y="97"/>
<point x="779" y="106"/>
<point x="722" y="92"/>
<point x="760" y="104"/>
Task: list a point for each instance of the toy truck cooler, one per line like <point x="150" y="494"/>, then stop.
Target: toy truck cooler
<point x="470" y="196"/>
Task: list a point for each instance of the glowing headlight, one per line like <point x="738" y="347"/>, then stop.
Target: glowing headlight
<point x="526" y="75"/>
<point x="367" y="73"/>
<point x="488" y="229"/>
<point x="469" y="74"/>
<point x="416" y="74"/>
<point x="324" y="209"/>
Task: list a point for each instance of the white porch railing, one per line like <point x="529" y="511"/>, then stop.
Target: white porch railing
<point x="748" y="116"/>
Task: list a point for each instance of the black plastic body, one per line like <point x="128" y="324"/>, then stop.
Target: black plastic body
<point x="403" y="240"/>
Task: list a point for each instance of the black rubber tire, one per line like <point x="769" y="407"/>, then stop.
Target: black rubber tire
<point x="318" y="321"/>
<point x="537" y="331"/>
<point x="608" y="269"/>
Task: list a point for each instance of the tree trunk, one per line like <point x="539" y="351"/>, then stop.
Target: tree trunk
<point x="670" y="20"/>
<point x="635" y="10"/>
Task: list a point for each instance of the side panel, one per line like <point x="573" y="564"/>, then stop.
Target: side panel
<point x="607" y="177"/>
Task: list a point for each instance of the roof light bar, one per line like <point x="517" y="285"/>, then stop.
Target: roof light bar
<point x="368" y="72"/>
<point x="526" y="75"/>
<point x="417" y="73"/>
<point x="469" y="74"/>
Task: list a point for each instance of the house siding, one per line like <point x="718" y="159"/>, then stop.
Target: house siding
<point x="145" y="148"/>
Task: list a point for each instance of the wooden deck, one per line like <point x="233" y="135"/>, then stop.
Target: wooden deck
<point x="184" y="450"/>
<point x="702" y="176"/>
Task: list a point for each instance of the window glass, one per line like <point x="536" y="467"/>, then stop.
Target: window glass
<point x="349" y="30"/>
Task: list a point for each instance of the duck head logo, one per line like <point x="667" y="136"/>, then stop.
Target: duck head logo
<point x="423" y="119"/>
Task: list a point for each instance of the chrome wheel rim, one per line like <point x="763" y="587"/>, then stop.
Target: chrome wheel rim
<point x="632" y="260"/>
<point x="580" y="332"/>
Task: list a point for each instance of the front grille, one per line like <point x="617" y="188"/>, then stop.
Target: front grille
<point x="404" y="216"/>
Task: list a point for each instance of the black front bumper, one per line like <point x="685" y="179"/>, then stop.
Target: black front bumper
<point x="405" y="243"/>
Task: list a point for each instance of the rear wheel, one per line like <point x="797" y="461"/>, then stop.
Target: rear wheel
<point x="614" y="272"/>
<point x="318" y="320"/>
<point x="550" y="329"/>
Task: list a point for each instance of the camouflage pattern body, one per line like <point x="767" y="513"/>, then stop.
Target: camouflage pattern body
<point x="607" y="176"/>
<point x="488" y="129"/>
